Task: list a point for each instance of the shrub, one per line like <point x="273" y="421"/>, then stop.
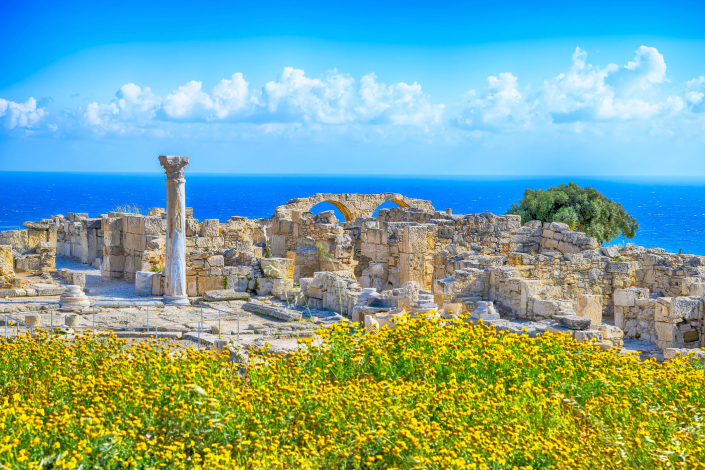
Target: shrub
<point x="583" y="209"/>
<point x="427" y="394"/>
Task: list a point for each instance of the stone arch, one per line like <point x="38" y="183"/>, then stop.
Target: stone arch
<point x="338" y="205"/>
<point x="353" y="205"/>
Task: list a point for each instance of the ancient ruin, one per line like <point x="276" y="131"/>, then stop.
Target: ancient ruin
<point x="529" y="279"/>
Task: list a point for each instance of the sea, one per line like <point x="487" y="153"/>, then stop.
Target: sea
<point x="670" y="211"/>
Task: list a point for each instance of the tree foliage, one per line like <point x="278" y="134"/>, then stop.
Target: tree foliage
<point x="584" y="209"/>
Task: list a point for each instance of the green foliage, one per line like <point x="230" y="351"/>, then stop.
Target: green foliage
<point x="584" y="209"/>
<point x="157" y="269"/>
<point x="225" y="282"/>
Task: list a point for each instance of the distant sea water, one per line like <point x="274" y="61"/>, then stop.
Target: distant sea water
<point x="671" y="211"/>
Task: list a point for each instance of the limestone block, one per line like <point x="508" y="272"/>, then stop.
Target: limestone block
<point x="609" y="251"/>
<point x="206" y="283"/>
<point x="77" y="279"/>
<point x="32" y="320"/>
<point x="210" y="228"/>
<point x="529" y="289"/>
<point x="280" y="287"/>
<point x="191" y="227"/>
<point x="559" y="227"/>
<point x="143" y="283"/>
<point x="666" y="331"/>
<point x="414" y="239"/>
<point x="628" y="297"/>
<point x="114" y="263"/>
<point x="280" y="268"/>
<point x="590" y="306"/>
<point x="129" y="266"/>
<point x="618" y="267"/>
<point x="111" y="224"/>
<point x="225" y="294"/>
<point x="112" y="238"/>
<point x="696" y="289"/>
<point x="586" y="336"/>
<point x="27" y="264"/>
<point x="574" y="322"/>
<point x="157" y="226"/>
<point x="684" y="308"/>
<point x="191" y="286"/>
<point x="6" y="261"/>
<point x="277" y="245"/>
<point x="157" y="284"/>
<point x="217" y="260"/>
<point x="133" y="224"/>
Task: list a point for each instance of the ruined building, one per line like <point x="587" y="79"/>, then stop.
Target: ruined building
<point x="533" y="272"/>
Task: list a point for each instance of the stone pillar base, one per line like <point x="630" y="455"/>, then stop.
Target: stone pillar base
<point x="181" y="300"/>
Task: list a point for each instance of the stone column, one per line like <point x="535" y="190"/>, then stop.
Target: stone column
<point x="175" y="259"/>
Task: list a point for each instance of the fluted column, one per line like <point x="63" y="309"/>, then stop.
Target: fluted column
<point x="175" y="259"/>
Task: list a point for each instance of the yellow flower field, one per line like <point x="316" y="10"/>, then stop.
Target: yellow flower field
<point x="428" y="394"/>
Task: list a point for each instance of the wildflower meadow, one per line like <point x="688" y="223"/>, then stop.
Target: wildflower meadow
<point x="428" y="394"/>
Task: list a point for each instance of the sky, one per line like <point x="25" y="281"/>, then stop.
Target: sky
<point x="412" y="88"/>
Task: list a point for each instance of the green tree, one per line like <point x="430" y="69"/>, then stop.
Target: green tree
<point x="584" y="209"/>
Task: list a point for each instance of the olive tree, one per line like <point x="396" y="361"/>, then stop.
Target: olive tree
<point x="584" y="209"/>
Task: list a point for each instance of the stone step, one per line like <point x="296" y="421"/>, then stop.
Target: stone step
<point x="272" y="311"/>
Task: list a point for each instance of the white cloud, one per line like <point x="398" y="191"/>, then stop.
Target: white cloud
<point x="587" y="93"/>
<point x="500" y="107"/>
<point x="399" y="104"/>
<point x="20" y="115"/>
<point x="695" y="94"/>
<point x="293" y="98"/>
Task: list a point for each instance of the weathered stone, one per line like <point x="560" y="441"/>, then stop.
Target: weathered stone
<point x="618" y="267"/>
<point x="272" y="311"/>
<point x="143" y="283"/>
<point x="225" y="294"/>
<point x="574" y="322"/>
<point x="590" y="306"/>
<point x="277" y="267"/>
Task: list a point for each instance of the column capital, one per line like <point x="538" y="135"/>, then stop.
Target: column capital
<point x="174" y="167"/>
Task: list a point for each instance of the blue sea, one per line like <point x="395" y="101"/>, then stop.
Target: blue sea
<point x="671" y="211"/>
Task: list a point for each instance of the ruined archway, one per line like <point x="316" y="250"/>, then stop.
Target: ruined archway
<point x="351" y="205"/>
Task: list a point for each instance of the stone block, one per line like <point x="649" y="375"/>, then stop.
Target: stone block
<point x="207" y="283"/>
<point x="586" y="336"/>
<point x="157" y="284"/>
<point x="627" y="297"/>
<point x="216" y="261"/>
<point x="666" y="331"/>
<point x="114" y="263"/>
<point x="609" y="251"/>
<point x="111" y="224"/>
<point x="590" y="306"/>
<point x="559" y="227"/>
<point x="684" y="308"/>
<point x="210" y="228"/>
<point x="133" y="224"/>
<point x="27" y="264"/>
<point x="191" y="227"/>
<point x="529" y="290"/>
<point x="112" y="238"/>
<point x="224" y="294"/>
<point x="281" y="268"/>
<point x="574" y="322"/>
<point x="414" y="239"/>
<point x="618" y="267"/>
<point x="156" y="225"/>
<point x="143" y="283"/>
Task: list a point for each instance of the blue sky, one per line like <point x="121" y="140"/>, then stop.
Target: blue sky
<point x="609" y="88"/>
